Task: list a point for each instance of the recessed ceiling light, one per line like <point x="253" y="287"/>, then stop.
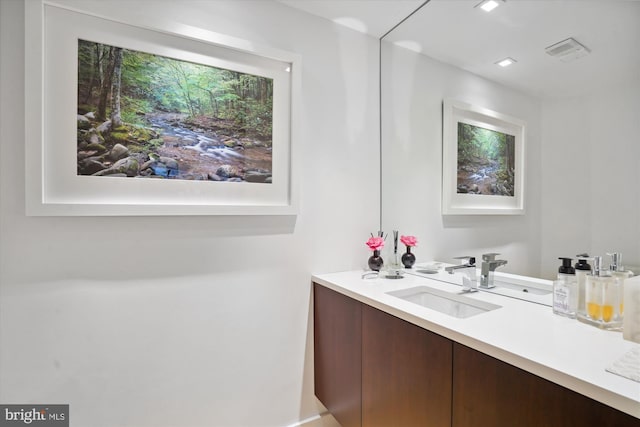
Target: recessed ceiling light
<point x="489" y="5"/>
<point x="506" y="62"/>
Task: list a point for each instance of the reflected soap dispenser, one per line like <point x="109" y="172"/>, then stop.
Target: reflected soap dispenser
<point x="565" y="295"/>
<point x="620" y="275"/>
<point x="582" y="271"/>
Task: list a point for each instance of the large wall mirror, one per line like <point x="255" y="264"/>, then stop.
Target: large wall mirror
<point x="582" y="138"/>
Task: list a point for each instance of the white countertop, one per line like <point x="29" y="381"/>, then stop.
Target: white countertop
<point x="521" y="333"/>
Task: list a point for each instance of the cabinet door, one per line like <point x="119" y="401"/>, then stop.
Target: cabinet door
<point x="406" y="373"/>
<point x="489" y="392"/>
<point x="338" y="352"/>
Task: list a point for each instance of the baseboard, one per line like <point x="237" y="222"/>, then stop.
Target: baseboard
<point x="321" y="420"/>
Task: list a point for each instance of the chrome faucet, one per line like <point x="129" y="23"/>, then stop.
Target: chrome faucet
<point x="469" y="281"/>
<point x="489" y="265"/>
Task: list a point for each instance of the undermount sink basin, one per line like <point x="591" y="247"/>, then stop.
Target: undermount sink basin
<point x="445" y="302"/>
<point x="521" y="288"/>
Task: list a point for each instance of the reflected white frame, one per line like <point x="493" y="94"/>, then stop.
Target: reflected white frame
<point x="53" y="187"/>
<point x="454" y="203"/>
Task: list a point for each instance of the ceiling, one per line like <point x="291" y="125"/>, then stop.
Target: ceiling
<point x="456" y="32"/>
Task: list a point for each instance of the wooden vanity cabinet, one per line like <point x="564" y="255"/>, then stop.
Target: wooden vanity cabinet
<point x="489" y="392"/>
<point x="373" y="369"/>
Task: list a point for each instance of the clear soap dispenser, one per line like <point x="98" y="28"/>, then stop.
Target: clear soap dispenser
<point x="603" y="298"/>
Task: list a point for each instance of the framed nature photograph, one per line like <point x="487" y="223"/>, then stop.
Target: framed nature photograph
<point x="141" y="115"/>
<point x="133" y="120"/>
<point x="483" y="161"/>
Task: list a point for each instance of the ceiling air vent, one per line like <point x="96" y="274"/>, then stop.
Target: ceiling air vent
<point x="567" y="50"/>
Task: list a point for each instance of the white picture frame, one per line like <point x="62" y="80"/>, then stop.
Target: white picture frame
<point x="460" y="194"/>
<point x="53" y="186"/>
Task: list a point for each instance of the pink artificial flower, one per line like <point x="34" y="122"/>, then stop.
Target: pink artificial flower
<point x="375" y="243"/>
<point x="409" y="240"/>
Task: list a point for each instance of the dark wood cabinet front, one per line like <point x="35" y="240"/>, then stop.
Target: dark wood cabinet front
<point x="406" y="373"/>
<point x="337" y="353"/>
<point x="489" y="392"/>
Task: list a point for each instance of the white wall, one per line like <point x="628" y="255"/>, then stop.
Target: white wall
<point x="591" y="180"/>
<point x="412" y="162"/>
<point x="178" y="321"/>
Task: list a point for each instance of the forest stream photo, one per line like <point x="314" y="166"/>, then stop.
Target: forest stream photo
<point x="147" y="116"/>
<point x="486" y="160"/>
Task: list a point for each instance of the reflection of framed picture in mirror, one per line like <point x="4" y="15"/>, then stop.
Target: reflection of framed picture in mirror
<point x="133" y="120"/>
<point x="483" y="161"/>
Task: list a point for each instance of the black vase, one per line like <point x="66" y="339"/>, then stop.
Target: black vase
<point x="375" y="261"/>
<point x="408" y="259"/>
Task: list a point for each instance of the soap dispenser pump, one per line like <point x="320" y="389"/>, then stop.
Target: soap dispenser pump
<point x="616" y="265"/>
<point x="566" y="269"/>
<point x="565" y="295"/>
<point x="616" y="261"/>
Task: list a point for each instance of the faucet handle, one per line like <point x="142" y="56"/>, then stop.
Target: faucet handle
<point x="470" y="259"/>
<point x="491" y="256"/>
